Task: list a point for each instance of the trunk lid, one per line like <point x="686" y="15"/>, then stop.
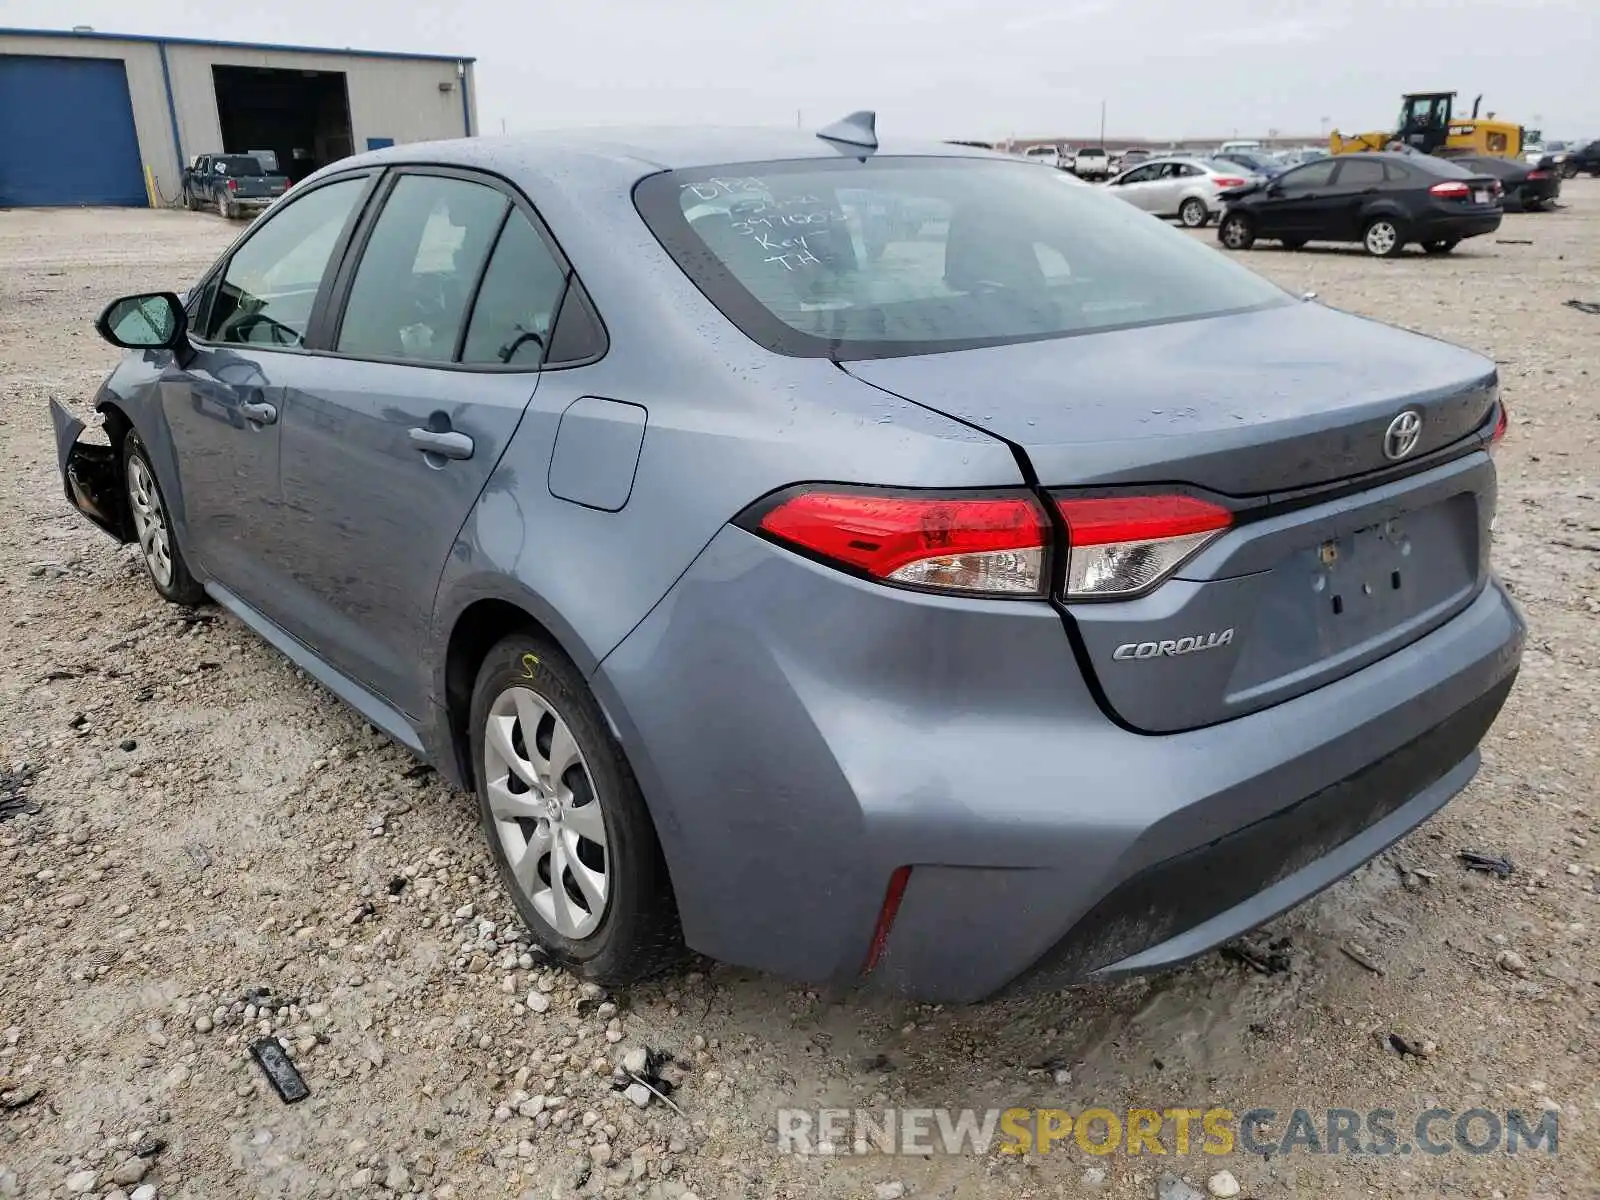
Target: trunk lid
<point x="1245" y="405"/>
<point x="1259" y="408"/>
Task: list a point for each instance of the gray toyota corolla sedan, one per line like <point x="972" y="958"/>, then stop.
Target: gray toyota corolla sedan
<point x="872" y="564"/>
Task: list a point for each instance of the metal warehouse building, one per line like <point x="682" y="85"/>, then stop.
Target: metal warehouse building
<point x="102" y="118"/>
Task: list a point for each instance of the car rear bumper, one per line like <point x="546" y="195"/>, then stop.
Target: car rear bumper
<point x="800" y="735"/>
<point x="1436" y="225"/>
<point x="1540" y="191"/>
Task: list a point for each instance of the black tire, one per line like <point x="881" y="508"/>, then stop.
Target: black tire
<point x="1532" y="206"/>
<point x="1294" y="243"/>
<point x="1569" y="171"/>
<point x="1441" y="247"/>
<point x="168" y="570"/>
<point x="1194" y="214"/>
<point x="638" y="934"/>
<point x="1236" y="231"/>
<point x="1379" y="245"/>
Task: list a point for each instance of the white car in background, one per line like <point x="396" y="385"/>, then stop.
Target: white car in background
<point x="1185" y="189"/>
<point x="1049" y="155"/>
<point x="1092" y="162"/>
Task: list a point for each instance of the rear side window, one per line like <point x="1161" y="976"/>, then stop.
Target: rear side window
<point x="239" y="164"/>
<point x="271" y="283"/>
<point x="518" y="301"/>
<point x="896" y="256"/>
<point x="410" y="294"/>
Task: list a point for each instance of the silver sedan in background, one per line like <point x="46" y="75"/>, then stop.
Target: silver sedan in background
<point x="1179" y="187"/>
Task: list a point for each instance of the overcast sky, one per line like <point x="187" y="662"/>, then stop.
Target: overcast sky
<point x="950" y="68"/>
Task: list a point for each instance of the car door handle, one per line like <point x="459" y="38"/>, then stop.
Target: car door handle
<point x="448" y="444"/>
<point x="261" y="414"/>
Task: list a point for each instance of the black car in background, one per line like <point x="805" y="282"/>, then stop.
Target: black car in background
<point x="1529" y="188"/>
<point x="1383" y="201"/>
<point x="1582" y="158"/>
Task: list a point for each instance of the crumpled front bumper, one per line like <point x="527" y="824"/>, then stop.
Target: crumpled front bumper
<point x="91" y="476"/>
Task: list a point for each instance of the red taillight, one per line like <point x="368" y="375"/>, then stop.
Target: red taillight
<point x="886" y="915"/>
<point x="1451" y="189"/>
<point x="975" y="544"/>
<point x="233" y="185"/>
<point x="1538" y="174"/>
<point x="1227" y="181"/>
<point x="1121" y="545"/>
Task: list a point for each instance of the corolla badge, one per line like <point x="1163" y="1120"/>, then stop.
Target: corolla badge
<point x="1174" y="646"/>
<point x="1403" y="434"/>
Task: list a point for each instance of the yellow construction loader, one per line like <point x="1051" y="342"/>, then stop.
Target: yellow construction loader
<point x="1428" y="124"/>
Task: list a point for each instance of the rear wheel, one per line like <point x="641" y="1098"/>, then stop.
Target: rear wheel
<point x="567" y="827"/>
<point x="1382" y="238"/>
<point x="152" y="525"/>
<point x="1193" y="213"/>
<point x="1569" y="171"/>
<point x="1441" y="247"/>
<point x="1237" y="232"/>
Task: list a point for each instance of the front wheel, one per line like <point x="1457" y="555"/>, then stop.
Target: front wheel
<point x="567" y="827"/>
<point x="152" y="525"/>
<point x="1237" y="232"/>
<point x="1382" y="238"/>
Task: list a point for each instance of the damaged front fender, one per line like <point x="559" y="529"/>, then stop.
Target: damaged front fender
<point x="91" y="476"/>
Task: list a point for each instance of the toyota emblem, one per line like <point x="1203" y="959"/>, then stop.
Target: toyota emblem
<point x="1403" y="434"/>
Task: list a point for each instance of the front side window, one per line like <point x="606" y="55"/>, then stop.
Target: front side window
<point x="1361" y="172"/>
<point x="896" y="256"/>
<point x="410" y="294"/>
<point x="518" y="301"/>
<point x="1313" y="175"/>
<point x="270" y="285"/>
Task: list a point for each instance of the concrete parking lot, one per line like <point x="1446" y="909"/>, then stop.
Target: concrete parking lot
<point x="198" y="846"/>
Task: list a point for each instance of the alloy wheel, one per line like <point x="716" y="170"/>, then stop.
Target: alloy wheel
<point x="1193" y="213"/>
<point x="546" y="812"/>
<point x="1381" y="238"/>
<point x="1234" y="233"/>
<point x="150" y="521"/>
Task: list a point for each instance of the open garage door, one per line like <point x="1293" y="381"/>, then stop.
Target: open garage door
<point x="301" y="116"/>
<point x="66" y="133"/>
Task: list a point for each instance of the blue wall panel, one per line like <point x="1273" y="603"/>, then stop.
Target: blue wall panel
<point x="66" y="133"/>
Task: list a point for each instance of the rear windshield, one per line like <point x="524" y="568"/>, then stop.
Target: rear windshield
<point x="898" y="256"/>
<point x="1431" y="165"/>
<point x="241" y="164"/>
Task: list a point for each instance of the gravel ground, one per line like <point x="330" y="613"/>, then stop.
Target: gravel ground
<point x="198" y="846"/>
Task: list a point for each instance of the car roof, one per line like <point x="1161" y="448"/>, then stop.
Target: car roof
<point x="647" y="149"/>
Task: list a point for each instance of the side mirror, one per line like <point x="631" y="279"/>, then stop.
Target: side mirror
<point x="153" y="321"/>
